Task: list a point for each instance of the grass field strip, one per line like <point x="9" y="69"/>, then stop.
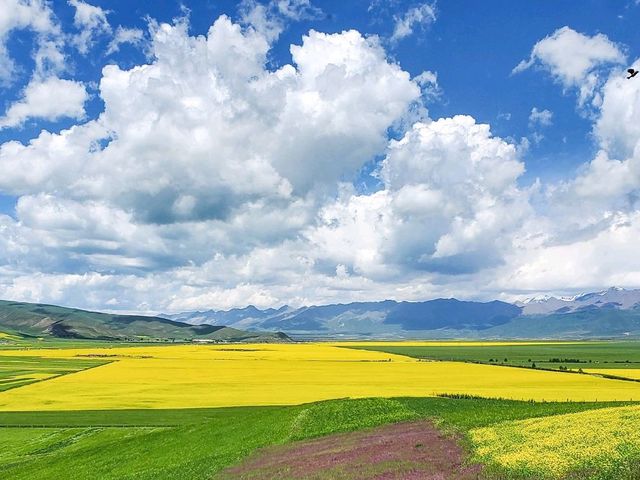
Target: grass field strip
<point x="18" y="371"/>
<point x="625" y="374"/>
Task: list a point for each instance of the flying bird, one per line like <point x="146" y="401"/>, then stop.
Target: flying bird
<point x="632" y="73"/>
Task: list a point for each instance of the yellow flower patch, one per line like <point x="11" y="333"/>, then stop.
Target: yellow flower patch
<point x="188" y="376"/>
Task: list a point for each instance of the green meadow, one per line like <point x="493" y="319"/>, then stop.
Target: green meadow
<point x="198" y="443"/>
<point x="549" y="355"/>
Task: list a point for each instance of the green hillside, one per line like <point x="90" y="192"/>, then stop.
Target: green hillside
<point x="39" y="320"/>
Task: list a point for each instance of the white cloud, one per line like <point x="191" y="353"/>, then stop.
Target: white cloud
<point x="450" y="205"/>
<point x="91" y="21"/>
<point x="428" y="81"/>
<point x="455" y="185"/>
<point x="618" y="125"/>
<point x="422" y="16"/>
<point x="43" y="165"/>
<point x="607" y="258"/>
<point x="611" y="181"/>
<point x="297" y="9"/>
<point x="606" y="188"/>
<point x="212" y="180"/>
<point x="269" y="18"/>
<point x="48" y="99"/>
<point x="49" y="58"/>
<point x="587" y="235"/>
<point x="539" y="119"/>
<point x="574" y="58"/>
<point x="133" y="36"/>
<point x="542" y="118"/>
<point x="263" y="18"/>
<point x="175" y="124"/>
<point x="202" y="153"/>
<point x="33" y="15"/>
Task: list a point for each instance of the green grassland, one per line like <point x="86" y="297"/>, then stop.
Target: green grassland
<point x="21" y="342"/>
<point x="18" y="371"/>
<point x="198" y="443"/>
<point x="548" y="355"/>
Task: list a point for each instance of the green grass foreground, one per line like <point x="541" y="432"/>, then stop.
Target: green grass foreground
<point x="198" y="443"/>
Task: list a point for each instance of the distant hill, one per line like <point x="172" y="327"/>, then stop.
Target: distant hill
<point x="39" y="320"/>
<point x="612" y="313"/>
<point x="613" y="298"/>
<point x="240" y="317"/>
<point x="605" y="323"/>
<point x="375" y="319"/>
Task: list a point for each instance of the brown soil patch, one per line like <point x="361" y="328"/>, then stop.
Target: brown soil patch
<point x="402" y="451"/>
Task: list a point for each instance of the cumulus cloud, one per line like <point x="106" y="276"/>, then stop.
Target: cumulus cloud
<point x="421" y="16"/>
<point x="91" y="21"/>
<point x="33" y="15"/>
<point x="608" y="185"/>
<point x="428" y="82"/>
<point x="49" y="58"/>
<point x="608" y="257"/>
<point x="232" y="133"/>
<point x="47" y="99"/>
<point x="450" y="205"/>
<point x="123" y="35"/>
<point x="541" y="118"/>
<point x="213" y="180"/>
<point x="617" y="127"/>
<point x="217" y="188"/>
<point x="590" y="222"/>
<point x="297" y="9"/>
<point x="610" y="182"/>
<point x="269" y="18"/>
<point x="574" y="59"/>
<point x="203" y="153"/>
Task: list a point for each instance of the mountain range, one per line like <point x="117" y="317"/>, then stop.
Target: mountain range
<point x="612" y="313"/>
<point x="40" y="320"/>
<point x="614" y="297"/>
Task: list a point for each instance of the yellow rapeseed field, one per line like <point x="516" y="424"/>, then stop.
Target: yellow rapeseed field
<point x="187" y="376"/>
<point x="553" y="446"/>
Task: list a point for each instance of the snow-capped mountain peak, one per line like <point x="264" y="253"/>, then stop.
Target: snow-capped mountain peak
<point x="614" y="297"/>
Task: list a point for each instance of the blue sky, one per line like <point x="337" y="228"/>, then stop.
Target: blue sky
<point x="553" y="161"/>
<point x="473" y="51"/>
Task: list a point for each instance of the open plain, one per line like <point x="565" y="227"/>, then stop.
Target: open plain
<point x="205" y="410"/>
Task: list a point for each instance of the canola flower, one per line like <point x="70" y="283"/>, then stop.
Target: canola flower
<point x="551" y="447"/>
<point x="190" y="376"/>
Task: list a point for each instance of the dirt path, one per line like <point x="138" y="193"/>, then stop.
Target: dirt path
<point x="403" y="451"/>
